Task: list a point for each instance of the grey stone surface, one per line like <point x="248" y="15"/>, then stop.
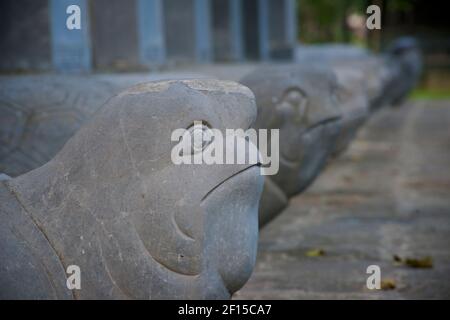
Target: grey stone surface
<point x="353" y="98"/>
<point x="301" y="103"/>
<point x="389" y="194"/>
<point x="360" y="80"/>
<point x="402" y="67"/>
<point x="224" y="71"/>
<point x="404" y="55"/>
<point x="377" y="77"/>
<point x="41" y="112"/>
<point x="4" y="177"/>
<point x="329" y="51"/>
<point x="138" y="226"/>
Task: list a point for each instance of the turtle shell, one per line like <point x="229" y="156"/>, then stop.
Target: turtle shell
<point x="40" y="113"/>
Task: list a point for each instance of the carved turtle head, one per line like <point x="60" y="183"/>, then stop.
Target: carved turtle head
<point x="300" y="101"/>
<point x="160" y="230"/>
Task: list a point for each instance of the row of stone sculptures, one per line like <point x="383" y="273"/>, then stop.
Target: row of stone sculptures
<point x="92" y="184"/>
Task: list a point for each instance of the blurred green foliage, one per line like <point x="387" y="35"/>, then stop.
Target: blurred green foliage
<point x="430" y="94"/>
<point x="325" y="20"/>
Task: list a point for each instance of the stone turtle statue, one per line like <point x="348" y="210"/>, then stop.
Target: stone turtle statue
<point x="138" y="226"/>
<point x="301" y="102"/>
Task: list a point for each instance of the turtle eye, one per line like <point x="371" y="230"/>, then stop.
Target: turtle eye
<point x="196" y="138"/>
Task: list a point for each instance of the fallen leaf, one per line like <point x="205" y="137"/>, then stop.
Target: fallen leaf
<point x="422" y="263"/>
<point x="315" y="253"/>
<point x="388" y="284"/>
<point x="355" y="158"/>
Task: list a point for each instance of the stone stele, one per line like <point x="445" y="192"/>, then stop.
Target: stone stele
<point x="113" y="203"/>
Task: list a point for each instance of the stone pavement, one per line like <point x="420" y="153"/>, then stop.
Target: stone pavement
<point x="389" y="194"/>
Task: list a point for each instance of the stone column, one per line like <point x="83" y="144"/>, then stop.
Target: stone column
<point x="264" y="29"/>
<point x="24" y="35"/>
<point x="152" y="50"/>
<point x="71" y="48"/>
<point x="227" y="30"/>
<point x="203" y="41"/>
<point x="291" y="22"/>
<point x="236" y="29"/>
<point x="179" y="28"/>
<point x="281" y="29"/>
<point x="114" y="34"/>
<point x="250" y="23"/>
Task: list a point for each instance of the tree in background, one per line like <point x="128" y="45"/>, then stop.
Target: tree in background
<point x="343" y="20"/>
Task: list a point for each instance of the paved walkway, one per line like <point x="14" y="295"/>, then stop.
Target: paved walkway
<point x="389" y="194"/>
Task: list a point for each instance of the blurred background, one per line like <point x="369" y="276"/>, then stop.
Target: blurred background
<point x="139" y="35"/>
<point x="322" y="21"/>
